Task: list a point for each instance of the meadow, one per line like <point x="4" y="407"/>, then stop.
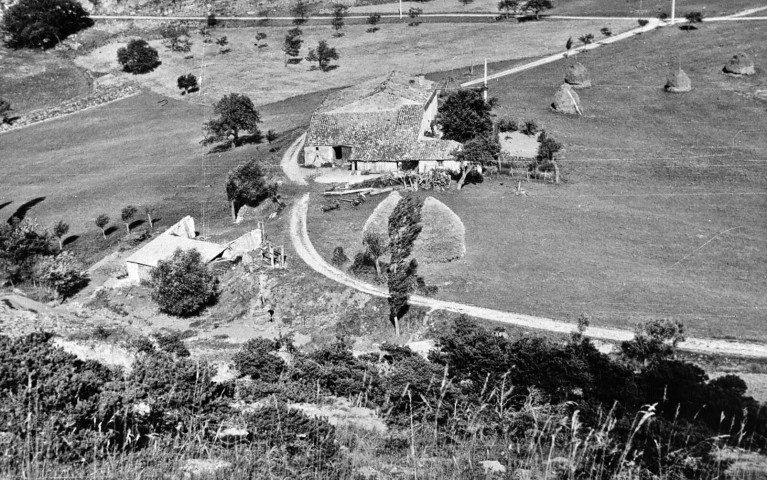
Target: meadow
<point x="263" y="74"/>
<point x="661" y="212"/>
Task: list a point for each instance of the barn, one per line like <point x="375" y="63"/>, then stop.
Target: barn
<point x="382" y="125"/>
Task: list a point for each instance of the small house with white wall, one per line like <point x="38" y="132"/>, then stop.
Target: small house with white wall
<point x="382" y="125"/>
<point x="179" y="236"/>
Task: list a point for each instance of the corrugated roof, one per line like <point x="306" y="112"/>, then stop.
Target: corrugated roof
<point x="163" y="247"/>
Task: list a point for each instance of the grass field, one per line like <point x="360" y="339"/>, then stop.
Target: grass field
<point x="659" y="217"/>
<point x="31" y="80"/>
<point x="606" y="8"/>
<point x="135" y="151"/>
<point x="262" y="74"/>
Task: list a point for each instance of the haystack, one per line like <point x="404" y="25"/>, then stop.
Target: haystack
<point x="442" y="238"/>
<point x="678" y="82"/>
<point x="578" y="76"/>
<point x="740" y="64"/>
<point x="378" y="221"/>
<point x="566" y="101"/>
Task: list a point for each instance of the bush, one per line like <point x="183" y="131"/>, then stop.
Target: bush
<point x="507" y="125"/>
<point x="339" y="257"/>
<point x="183" y="285"/>
<point x="257" y="360"/>
<point x="529" y="128"/>
<point x="62" y="274"/>
<point x="643" y="22"/>
<point x="43" y="23"/>
<point x="171" y="343"/>
<point x="138" y="57"/>
<point x="22" y="244"/>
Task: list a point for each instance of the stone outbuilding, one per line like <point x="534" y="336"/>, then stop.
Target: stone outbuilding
<point x="179" y="236"/>
<point x="382" y="125"/>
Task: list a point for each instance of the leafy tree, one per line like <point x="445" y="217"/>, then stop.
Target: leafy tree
<point x="373" y="20"/>
<point x="569" y="44"/>
<point x="537" y="6"/>
<point x="61" y="273"/>
<point x="258" y="360"/>
<point x="150" y="211"/>
<point x="376" y="246"/>
<point x="292" y="44"/>
<point x="694" y="17"/>
<point x="322" y="55"/>
<point x="653" y="341"/>
<point x="102" y="221"/>
<point x="222" y="43"/>
<point x="529" y="128"/>
<point x="271" y="136"/>
<point x="59" y="230"/>
<point x="176" y="36"/>
<point x="605" y="31"/>
<point x="339" y="13"/>
<point x="183" y="284"/>
<point x="643" y="22"/>
<point x="246" y="185"/>
<point x="300" y="11"/>
<point x="508" y="7"/>
<point x="21" y="244"/>
<point x="415" y="16"/>
<point x="236" y="113"/>
<point x="43" y="23"/>
<point x="187" y="83"/>
<point x="480" y="151"/>
<point x="404" y="228"/>
<point x="545" y="159"/>
<point x="464" y="115"/>
<point x="171" y="343"/>
<point x="586" y="39"/>
<point x="126" y="215"/>
<point x="138" y="57"/>
<point x="5" y="107"/>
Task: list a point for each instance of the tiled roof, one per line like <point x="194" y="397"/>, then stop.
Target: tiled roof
<point x="395" y="88"/>
<point x="423" y="149"/>
<point x="432" y="149"/>
<point x="358" y="129"/>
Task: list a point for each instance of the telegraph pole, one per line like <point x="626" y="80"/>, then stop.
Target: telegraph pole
<point x="400" y="9"/>
<point x="673" y="11"/>
<point x="484" y="92"/>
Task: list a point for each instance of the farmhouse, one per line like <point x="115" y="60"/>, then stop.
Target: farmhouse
<point x="382" y="125"/>
<point x="179" y="236"/>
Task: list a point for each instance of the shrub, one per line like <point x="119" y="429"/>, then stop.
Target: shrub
<point x="62" y="274"/>
<point x="643" y="22"/>
<point x="22" y="243"/>
<point x="587" y="39"/>
<point x="507" y="125"/>
<point x="171" y="343"/>
<point x="257" y="360"/>
<point x="183" y="284"/>
<point x="43" y="23"/>
<point x="339" y="257"/>
<point x="605" y="31"/>
<point x="138" y="57"/>
<point x="529" y="128"/>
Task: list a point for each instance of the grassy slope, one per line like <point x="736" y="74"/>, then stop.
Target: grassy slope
<point x="619" y="240"/>
<point x="105" y="158"/>
<point x="31" y="80"/>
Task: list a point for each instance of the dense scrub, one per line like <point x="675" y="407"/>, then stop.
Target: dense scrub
<point x="533" y="403"/>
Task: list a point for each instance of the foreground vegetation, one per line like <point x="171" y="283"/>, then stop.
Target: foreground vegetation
<point x="560" y="409"/>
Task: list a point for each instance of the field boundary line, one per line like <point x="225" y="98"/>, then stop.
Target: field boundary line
<point x="302" y="244"/>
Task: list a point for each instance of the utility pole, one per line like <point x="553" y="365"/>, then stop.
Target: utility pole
<point x="673" y="11"/>
<point x="400" y="9"/>
<point x="484" y="92"/>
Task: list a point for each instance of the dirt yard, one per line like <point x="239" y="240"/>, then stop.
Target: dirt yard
<point x="262" y="74"/>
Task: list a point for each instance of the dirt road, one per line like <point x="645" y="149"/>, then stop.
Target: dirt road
<point x="289" y="162"/>
<point x="304" y="248"/>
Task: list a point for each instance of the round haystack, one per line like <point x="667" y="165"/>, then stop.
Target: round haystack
<point x="378" y="221"/>
<point x="740" y="64"/>
<point x="678" y="82"/>
<point x="443" y="237"/>
<point x="566" y="101"/>
<point x="578" y="76"/>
